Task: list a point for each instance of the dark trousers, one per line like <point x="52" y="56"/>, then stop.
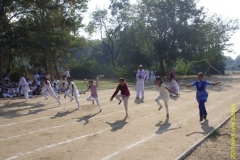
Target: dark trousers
<point x="202" y="109"/>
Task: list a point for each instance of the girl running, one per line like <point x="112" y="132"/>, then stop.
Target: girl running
<point x="73" y="91"/>
<point x="164" y="94"/>
<point x="94" y="96"/>
<point x="201" y="94"/>
<point x="48" y="90"/>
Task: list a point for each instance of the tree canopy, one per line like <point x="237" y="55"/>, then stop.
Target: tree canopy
<point x="160" y="34"/>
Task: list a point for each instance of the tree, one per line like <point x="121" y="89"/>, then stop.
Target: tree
<point x="43" y="31"/>
<point x="110" y="27"/>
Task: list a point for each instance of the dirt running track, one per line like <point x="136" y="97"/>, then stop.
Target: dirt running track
<point x="34" y="130"/>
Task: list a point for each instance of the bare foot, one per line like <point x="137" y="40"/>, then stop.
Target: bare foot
<point x="120" y="102"/>
<point x="167" y="115"/>
<point x="159" y="108"/>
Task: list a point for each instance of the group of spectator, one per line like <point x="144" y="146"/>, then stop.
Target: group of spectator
<point x="9" y="89"/>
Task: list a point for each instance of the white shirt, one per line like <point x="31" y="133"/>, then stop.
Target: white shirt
<point x="35" y="77"/>
<point x="23" y="82"/>
<point x="140" y="74"/>
<point x="164" y="92"/>
<point x="66" y="73"/>
<point x="56" y="81"/>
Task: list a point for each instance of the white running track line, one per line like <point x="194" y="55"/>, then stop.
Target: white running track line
<point x="68" y="124"/>
<point x="115" y="153"/>
<point x="70" y="140"/>
<point x="153" y="135"/>
<point x="9" y="124"/>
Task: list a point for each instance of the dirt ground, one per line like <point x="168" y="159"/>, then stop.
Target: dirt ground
<point x="37" y="131"/>
<point x="218" y="145"/>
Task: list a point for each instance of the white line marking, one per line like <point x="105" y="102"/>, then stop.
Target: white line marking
<point x="68" y="124"/>
<point x="74" y="139"/>
<point x="9" y="124"/>
<point x="153" y="135"/>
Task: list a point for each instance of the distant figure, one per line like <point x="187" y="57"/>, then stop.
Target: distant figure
<point x="173" y="82"/>
<point x="25" y="88"/>
<point x="152" y="77"/>
<point x="140" y="76"/>
<point x="146" y="76"/>
<point x="65" y="75"/>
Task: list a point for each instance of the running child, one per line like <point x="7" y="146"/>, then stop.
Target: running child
<point x="201" y="94"/>
<point x="94" y="96"/>
<point x="164" y="94"/>
<point x="124" y="94"/>
<point x="48" y="90"/>
<point x="73" y="91"/>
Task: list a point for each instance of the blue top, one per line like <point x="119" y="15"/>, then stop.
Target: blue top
<point x="200" y="83"/>
<point x="201" y="89"/>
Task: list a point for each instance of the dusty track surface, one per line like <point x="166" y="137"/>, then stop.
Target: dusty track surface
<point x="36" y="130"/>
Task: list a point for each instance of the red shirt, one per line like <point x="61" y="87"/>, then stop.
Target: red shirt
<point x="124" y="90"/>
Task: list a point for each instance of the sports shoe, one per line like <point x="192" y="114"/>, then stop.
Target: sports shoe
<point x="201" y="119"/>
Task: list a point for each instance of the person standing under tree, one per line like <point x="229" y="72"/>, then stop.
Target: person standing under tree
<point x="146" y="76"/>
<point x="65" y="75"/>
<point x="25" y="88"/>
<point x="140" y="76"/>
<point x="201" y="94"/>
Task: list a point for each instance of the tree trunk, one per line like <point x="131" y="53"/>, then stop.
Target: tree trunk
<point x="161" y="63"/>
<point x="56" y="70"/>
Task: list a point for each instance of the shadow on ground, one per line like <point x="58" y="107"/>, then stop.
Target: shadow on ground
<point x="165" y="126"/>
<point x="87" y="118"/>
<point x="119" y="124"/>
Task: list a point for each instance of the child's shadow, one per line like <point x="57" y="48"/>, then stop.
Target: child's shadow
<point x="163" y="127"/>
<point x="139" y="101"/>
<point x="205" y="127"/>
<point x="119" y="124"/>
<point x="87" y="118"/>
<point x="62" y="114"/>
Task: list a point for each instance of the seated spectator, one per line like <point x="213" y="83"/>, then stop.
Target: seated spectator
<point x="29" y="82"/>
<point x="57" y="82"/>
<point x="63" y="88"/>
<point x="55" y="88"/>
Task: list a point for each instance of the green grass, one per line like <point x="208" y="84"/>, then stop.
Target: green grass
<point x="102" y="84"/>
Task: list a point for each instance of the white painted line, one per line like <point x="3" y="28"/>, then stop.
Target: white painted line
<point x="9" y="124"/>
<point x="68" y="124"/>
<point x="153" y="135"/>
<point x="71" y="140"/>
